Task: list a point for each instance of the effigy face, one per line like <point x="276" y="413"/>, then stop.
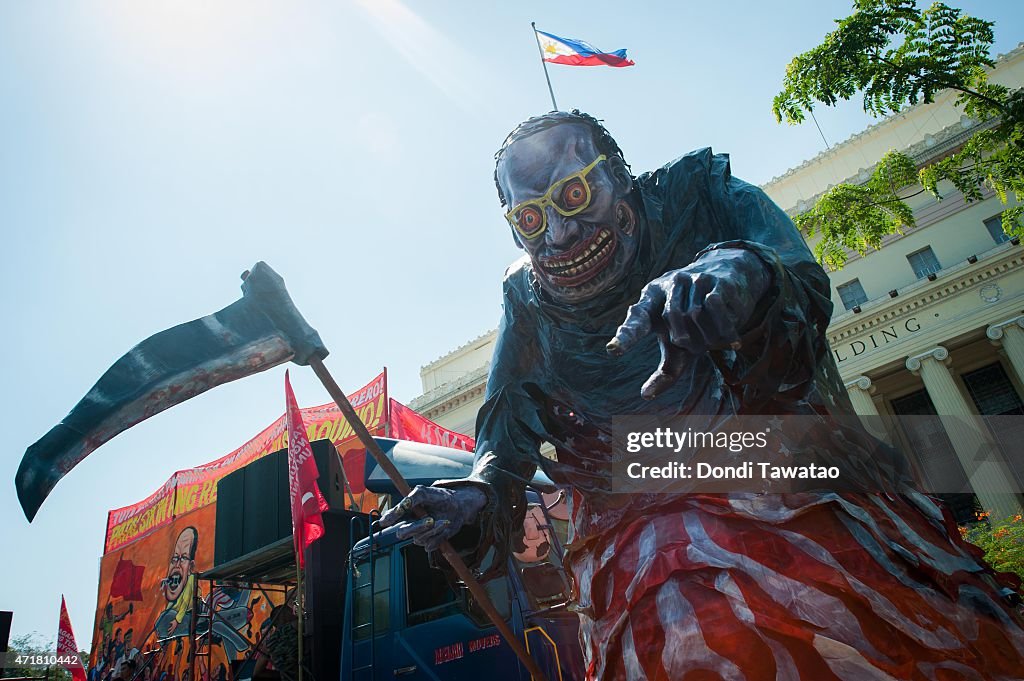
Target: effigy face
<point x="570" y="211"/>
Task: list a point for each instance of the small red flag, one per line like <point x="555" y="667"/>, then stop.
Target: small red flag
<point x="67" y="649"/>
<point x="127" y="580"/>
<point x="407" y="424"/>
<point x="307" y="501"/>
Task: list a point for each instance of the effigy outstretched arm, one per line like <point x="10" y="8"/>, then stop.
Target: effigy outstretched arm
<point x="755" y="300"/>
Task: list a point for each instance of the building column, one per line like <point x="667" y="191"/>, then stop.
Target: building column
<point x="1010" y="335"/>
<point x="860" y="390"/>
<point x="989" y="476"/>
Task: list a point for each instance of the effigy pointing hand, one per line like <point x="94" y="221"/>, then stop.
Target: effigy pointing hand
<point x="706" y="305"/>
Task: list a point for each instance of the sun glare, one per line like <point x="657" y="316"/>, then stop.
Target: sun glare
<point x="186" y="40"/>
<point x="446" y="65"/>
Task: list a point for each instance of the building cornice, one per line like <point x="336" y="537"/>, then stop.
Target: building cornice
<point x="924" y="151"/>
<point x="452" y="394"/>
<point x="482" y="338"/>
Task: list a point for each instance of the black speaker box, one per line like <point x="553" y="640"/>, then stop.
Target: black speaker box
<point x="253" y="510"/>
<point x="5" y="629"/>
<point x="325" y="589"/>
<point x="263" y="493"/>
<point x="5" y="634"/>
<point x="227" y="536"/>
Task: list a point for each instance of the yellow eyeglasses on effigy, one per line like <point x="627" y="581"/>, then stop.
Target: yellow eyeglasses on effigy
<point x="568" y="196"/>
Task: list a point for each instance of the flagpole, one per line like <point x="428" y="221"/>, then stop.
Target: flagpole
<point x="299" y="610"/>
<point x="352" y="505"/>
<point x="554" y="105"/>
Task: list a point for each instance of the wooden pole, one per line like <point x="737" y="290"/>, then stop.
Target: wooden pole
<point x="193" y="624"/>
<point x="352" y="505"/>
<point x="299" y="610"/>
<point x="447" y="550"/>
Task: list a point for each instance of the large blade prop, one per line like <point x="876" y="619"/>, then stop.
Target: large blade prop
<point x="261" y="330"/>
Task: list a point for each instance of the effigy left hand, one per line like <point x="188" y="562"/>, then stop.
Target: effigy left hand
<point x="707" y="305"/>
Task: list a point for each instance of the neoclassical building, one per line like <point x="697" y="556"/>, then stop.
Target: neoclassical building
<point x="930" y="324"/>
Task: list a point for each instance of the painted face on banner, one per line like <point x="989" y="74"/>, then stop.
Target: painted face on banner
<point x="536" y="538"/>
<point x="569" y="208"/>
<point x="181" y="564"/>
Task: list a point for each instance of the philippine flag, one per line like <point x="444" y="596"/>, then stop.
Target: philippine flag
<point x="578" y="53"/>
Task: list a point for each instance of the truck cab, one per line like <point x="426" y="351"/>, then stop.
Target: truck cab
<point x="404" y="620"/>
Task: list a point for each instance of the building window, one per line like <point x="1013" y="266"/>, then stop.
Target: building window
<point x="992" y="391"/>
<point x="852" y="294"/>
<point x="994" y="225"/>
<point x="996" y="399"/>
<point x="924" y="262"/>
<point x="932" y="455"/>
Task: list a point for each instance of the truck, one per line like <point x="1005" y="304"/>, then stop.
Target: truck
<point x="404" y="619"/>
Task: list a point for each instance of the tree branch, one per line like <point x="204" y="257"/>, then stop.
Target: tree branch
<point x="941" y="83"/>
<point x="895" y="199"/>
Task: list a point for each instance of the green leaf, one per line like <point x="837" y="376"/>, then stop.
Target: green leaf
<point x="894" y="55"/>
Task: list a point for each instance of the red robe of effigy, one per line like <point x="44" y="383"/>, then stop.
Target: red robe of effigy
<point x="801" y="586"/>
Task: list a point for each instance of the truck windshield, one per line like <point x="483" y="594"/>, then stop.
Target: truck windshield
<point x="427" y="594"/>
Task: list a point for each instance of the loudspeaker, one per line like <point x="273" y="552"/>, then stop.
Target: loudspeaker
<point x="227" y="536"/>
<point x="282" y="520"/>
<point x="253" y="507"/>
<point x="263" y="493"/>
<point x="5" y="629"/>
<point x="325" y="589"/>
<point x="5" y="635"/>
<point x="332" y="475"/>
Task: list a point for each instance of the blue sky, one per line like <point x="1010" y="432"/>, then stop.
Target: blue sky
<point x="153" y="151"/>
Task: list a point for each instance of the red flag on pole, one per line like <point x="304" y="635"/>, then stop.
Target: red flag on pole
<point x="307" y="501"/>
<point x="67" y="649"/>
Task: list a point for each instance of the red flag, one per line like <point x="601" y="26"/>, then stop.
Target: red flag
<point x="307" y="501"/>
<point x="67" y="649"/>
<point x="407" y="424"/>
<point x="127" y="580"/>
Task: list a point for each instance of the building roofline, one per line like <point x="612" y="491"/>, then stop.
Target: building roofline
<point x="930" y="147"/>
<point x="824" y="155"/>
<point x="448" y="355"/>
<point x="450" y="390"/>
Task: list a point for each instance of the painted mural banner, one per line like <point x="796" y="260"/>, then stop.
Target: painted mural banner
<point x="155" y="548"/>
<point x="188" y="490"/>
<point x="145" y="606"/>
